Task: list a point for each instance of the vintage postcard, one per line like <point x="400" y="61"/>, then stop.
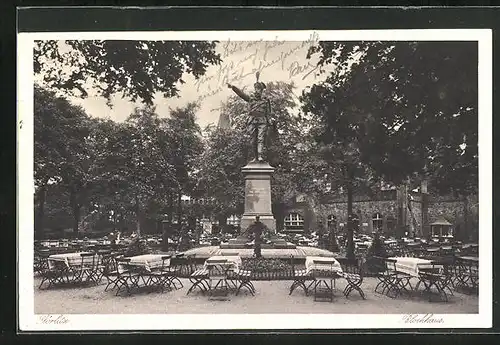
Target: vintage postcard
<point x="262" y="180"/>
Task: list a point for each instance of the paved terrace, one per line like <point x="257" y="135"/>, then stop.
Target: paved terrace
<point x="271" y="297"/>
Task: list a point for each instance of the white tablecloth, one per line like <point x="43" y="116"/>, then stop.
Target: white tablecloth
<point x="411" y="266"/>
<point x="148" y="261"/>
<point x="311" y="265"/>
<point x="235" y="261"/>
<point x="70" y="259"/>
<point x="473" y="259"/>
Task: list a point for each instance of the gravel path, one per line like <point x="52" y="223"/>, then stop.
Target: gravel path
<point x="271" y="297"/>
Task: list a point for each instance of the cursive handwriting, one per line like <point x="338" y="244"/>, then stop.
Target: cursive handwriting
<point x="53" y="319"/>
<point x="247" y="58"/>
<point x="427" y="318"/>
<point x="305" y="69"/>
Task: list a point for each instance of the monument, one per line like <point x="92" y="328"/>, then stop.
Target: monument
<point x="257" y="172"/>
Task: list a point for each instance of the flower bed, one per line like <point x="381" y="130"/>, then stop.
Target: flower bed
<point x="268" y="269"/>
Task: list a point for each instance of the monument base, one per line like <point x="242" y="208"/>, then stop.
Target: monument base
<point x="244" y="242"/>
<point x="284" y="245"/>
<point x="267" y="219"/>
<point x="258" y="195"/>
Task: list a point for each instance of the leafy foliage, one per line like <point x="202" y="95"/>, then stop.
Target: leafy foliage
<point x="395" y="111"/>
<point x="61" y="153"/>
<point x="411" y="107"/>
<point x="136" y="69"/>
<point x="259" y="265"/>
<point x="227" y="151"/>
<point x="120" y="171"/>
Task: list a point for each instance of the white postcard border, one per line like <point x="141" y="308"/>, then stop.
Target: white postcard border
<point x="28" y="321"/>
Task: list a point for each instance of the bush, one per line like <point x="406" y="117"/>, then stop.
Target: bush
<point x="377" y="249"/>
<point x="260" y="265"/>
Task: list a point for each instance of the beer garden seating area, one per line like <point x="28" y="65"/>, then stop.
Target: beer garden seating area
<point x="409" y="269"/>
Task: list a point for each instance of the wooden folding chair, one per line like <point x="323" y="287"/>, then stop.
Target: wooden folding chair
<point x="218" y="280"/>
<point x="398" y="282"/>
<point x="300" y="277"/>
<point x="434" y="276"/>
<point x="110" y="272"/>
<point x="382" y="274"/>
<point x="53" y="274"/>
<point x="161" y="277"/>
<point x="324" y="281"/>
<point x="353" y="272"/>
<point x="199" y="279"/>
<point x="128" y="276"/>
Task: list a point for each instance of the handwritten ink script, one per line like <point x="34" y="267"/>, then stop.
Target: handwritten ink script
<point x="53" y="319"/>
<point x="427" y="318"/>
<point x="243" y="59"/>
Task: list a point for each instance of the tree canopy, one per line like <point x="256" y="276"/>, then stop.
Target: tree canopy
<point x="135" y="170"/>
<point x="135" y="69"/>
<point x="410" y="107"/>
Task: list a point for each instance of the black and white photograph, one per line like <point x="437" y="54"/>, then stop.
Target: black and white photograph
<point x="255" y="179"/>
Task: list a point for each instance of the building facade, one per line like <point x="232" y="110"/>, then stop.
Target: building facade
<point x="392" y="212"/>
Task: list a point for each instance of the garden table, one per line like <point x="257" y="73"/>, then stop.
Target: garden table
<point x="322" y="263"/>
<point x="70" y="259"/>
<point x="411" y="266"/>
<point x="218" y="269"/>
<point x="147" y="261"/>
<point x="78" y="267"/>
<point x="474" y="259"/>
<point x="324" y="270"/>
<point x="234" y="261"/>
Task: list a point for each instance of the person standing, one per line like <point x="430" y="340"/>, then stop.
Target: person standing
<point x="257" y="228"/>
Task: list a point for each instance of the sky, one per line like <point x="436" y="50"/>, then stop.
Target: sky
<point x="277" y="60"/>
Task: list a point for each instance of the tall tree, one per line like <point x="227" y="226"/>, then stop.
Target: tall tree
<point x="149" y="170"/>
<point x="61" y="156"/>
<point x="184" y="147"/>
<point x="408" y="108"/>
<point x="136" y="69"/>
<point x="414" y="106"/>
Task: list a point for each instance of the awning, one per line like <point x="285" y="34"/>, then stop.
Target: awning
<point x="441" y="221"/>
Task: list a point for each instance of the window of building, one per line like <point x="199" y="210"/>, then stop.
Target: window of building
<point x="294" y="221"/>
<point x="233" y="220"/>
<point x="331" y="221"/>
<point x="377" y="221"/>
<point x="391" y="225"/>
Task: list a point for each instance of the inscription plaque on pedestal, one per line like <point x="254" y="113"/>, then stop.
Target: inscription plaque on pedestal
<point x="258" y="195"/>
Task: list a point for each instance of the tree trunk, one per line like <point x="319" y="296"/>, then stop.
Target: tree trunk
<point x="138" y="216"/>
<point x="114" y="220"/>
<point x="350" y="226"/>
<point x="402" y="200"/>
<point x="75" y="207"/>
<point x="279" y="214"/>
<point x="170" y="214"/>
<point x="425" y="210"/>
<point x="179" y="210"/>
<point x="465" y="233"/>
<point x="39" y="229"/>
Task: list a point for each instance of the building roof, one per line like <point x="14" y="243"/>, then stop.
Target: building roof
<point x="441" y="221"/>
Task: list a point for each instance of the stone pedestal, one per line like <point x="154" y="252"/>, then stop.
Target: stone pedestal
<point x="258" y="195"/>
